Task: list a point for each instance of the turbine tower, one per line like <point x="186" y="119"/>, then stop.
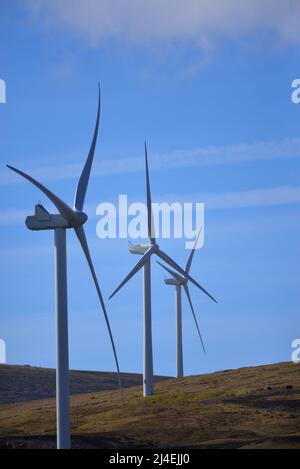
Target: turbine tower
<point x="147" y="250"/>
<point x="67" y="218"/>
<point x="179" y="281"/>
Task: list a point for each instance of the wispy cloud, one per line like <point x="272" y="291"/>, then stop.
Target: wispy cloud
<point x="200" y="156"/>
<point x="275" y="196"/>
<point x="204" y="22"/>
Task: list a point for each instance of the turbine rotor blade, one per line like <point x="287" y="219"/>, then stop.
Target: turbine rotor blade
<point x="186" y="288"/>
<point x="135" y="269"/>
<point x="174" y="274"/>
<point x="189" y="262"/>
<point x="82" y="239"/>
<point x="64" y="209"/>
<point x="85" y="175"/>
<point x="151" y="233"/>
<point x="173" y="264"/>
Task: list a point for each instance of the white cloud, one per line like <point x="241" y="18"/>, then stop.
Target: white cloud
<point x="194" y="157"/>
<point x="283" y="195"/>
<point x="274" y="196"/>
<point x="203" y="22"/>
<point x="252" y="198"/>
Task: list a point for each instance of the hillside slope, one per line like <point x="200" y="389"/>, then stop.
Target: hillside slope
<point x="228" y="409"/>
<point x="27" y="383"/>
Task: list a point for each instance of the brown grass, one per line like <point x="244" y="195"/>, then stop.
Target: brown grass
<point x="225" y="409"/>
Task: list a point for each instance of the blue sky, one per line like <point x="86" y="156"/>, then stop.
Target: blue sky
<point x="209" y="87"/>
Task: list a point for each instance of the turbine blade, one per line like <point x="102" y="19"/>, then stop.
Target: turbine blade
<point x="135" y="269"/>
<point x="151" y="233"/>
<point x="189" y="262"/>
<point x="61" y="206"/>
<point x="174" y="274"/>
<point x="186" y="288"/>
<point x="82" y="239"/>
<point x="85" y="175"/>
<point x="173" y="264"/>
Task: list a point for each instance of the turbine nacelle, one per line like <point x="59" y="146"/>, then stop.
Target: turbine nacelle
<point x="141" y="248"/>
<point x="173" y="281"/>
<point x="43" y="220"/>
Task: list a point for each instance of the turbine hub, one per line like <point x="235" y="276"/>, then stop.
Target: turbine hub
<point x="82" y="218"/>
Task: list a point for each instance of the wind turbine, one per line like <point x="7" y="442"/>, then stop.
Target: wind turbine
<point x="68" y="218"/>
<point x="179" y="281"/>
<point x="147" y="250"/>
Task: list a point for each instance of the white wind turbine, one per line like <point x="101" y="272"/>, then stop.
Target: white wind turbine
<point x="179" y="281"/>
<point x="68" y="218"/>
<point x="147" y="250"/>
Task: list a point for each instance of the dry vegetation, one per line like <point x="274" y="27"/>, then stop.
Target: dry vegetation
<point x="27" y="383"/>
<point x="228" y="409"/>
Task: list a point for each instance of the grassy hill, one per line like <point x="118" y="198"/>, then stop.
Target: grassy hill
<point x="244" y="408"/>
<point x="27" y="383"/>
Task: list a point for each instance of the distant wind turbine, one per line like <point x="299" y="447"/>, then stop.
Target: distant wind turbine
<point x="68" y="218"/>
<point x="147" y="250"/>
<point x="179" y="281"/>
